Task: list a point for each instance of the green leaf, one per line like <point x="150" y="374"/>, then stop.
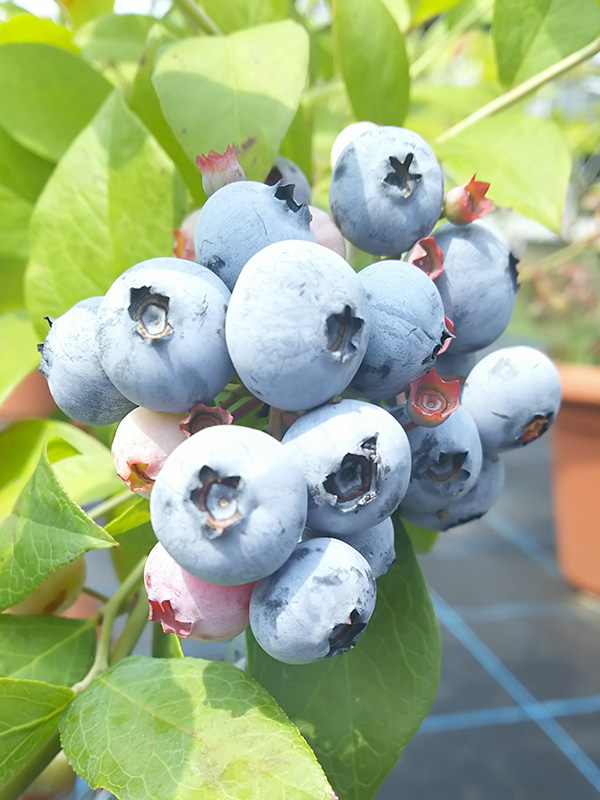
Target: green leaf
<point x="524" y="158"/>
<point x="203" y="729"/>
<point x="28" y="28"/>
<point x="12" y="270"/>
<point x="359" y="710"/>
<point x="165" y="645"/>
<point x="377" y="87"/>
<point x="136" y="512"/>
<point x="423" y="10"/>
<point x="115" y="43"/>
<point x="15" y="214"/>
<point x="530" y="35"/>
<point x="422" y="539"/>
<point x="134" y="544"/>
<point x="109" y="204"/>
<point x="433" y="111"/>
<point x="232" y="89"/>
<point x="47" y="96"/>
<point x="242" y="14"/>
<point x="82" y="11"/>
<point x="53" y="649"/>
<point x="21" y="171"/>
<point x="87" y="478"/>
<point x="30" y="714"/>
<point x="18" y="354"/>
<point x="45" y="530"/>
<point x="143" y="100"/>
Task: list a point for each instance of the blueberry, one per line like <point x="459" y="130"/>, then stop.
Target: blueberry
<point x="455" y="366"/>
<point x="470" y="506"/>
<point x="446" y="461"/>
<point x="407" y="328"/>
<point x="316" y="605"/>
<point x="356" y="462"/>
<point x="284" y="170"/>
<point x="190" y="607"/>
<point x="297" y="325"/>
<point x="513" y="394"/>
<point x="229" y="504"/>
<point x="70" y="363"/>
<point x="375" y="544"/>
<point x="478" y="285"/>
<point x="161" y="334"/>
<point x="387" y="190"/>
<point x="345" y="136"/>
<point x="243" y="217"/>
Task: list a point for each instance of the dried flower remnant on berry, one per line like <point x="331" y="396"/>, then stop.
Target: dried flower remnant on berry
<point x="431" y="400"/>
<point x="219" y="169"/>
<point x="468" y="202"/>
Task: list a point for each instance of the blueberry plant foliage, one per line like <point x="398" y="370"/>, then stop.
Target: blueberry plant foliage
<point x="101" y="119"/>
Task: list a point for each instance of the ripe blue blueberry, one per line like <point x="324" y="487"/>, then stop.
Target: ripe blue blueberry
<point x="243" y="217"/>
<point x="229" y="505"/>
<point x="478" y="285"/>
<point x="513" y="394"/>
<point x="407" y="328"/>
<point x="70" y="363"/>
<point x="465" y="508"/>
<point x="375" y="544"/>
<point x="446" y="461"/>
<point x="316" y="605"/>
<point x="356" y="462"/>
<point x="161" y="334"/>
<point x="386" y="190"/>
<point x="297" y="325"/>
<point x="284" y="170"/>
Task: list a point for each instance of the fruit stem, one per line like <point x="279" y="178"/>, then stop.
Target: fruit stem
<point x="94" y="593"/>
<point x="134" y="627"/>
<point x="16" y="785"/>
<point x="522" y="90"/>
<point x="246" y="408"/>
<point x="234" y="395"/>
<point x="109" y="614"/>
<point x="199" y="16"/>
<point x="108" y="505"/>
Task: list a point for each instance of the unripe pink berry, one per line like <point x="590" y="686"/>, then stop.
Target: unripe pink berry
<point x="142" y="442"/>
<point x="190" y="607"/>
<point x="326" y="231"/>
<point x="183" y="247"/>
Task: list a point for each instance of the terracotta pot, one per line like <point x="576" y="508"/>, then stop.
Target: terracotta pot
<point x="575" y="438"/>
<point x="31" y="398"/>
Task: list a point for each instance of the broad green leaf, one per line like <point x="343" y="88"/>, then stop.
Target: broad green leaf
<point x="242" y="14"/>
<point x="297" y="143"/>
<point x="530" y="35"/>
<point x="133" y="544"/>
<point x="15" y="214"/>
<point x="359" y="710"/>
<point x="12" y="270"/>
<point x="47" y="96"/>
<point x="110" y="203"/>
<point x="524" y="158"/>
<point x="423" y="10"/>
<point x="144" y="102"/>
<point x="21" y="171"/>
<point x="45" y="530"/>
<point x="232" y="89"/>
<point x="203" y="729"/>
<point x="18" y="355"/>
<point x="28" y="28"/>
<point x="88" y="478"/>
<point x="114" y="43"/>
<point x="377" y="87"/>
<point x="81" y="11"/>
<point x="422" y="539"/>
<point x="165" y="645"/>
<point x="53" y="649"/>
<point x="30" y="714"/>
<point x="134" y="513"/>
<point x="433" y="111"/>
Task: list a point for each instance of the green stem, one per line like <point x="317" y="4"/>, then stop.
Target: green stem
<point x="94" y="593"/>
<point x="134" y="627"/>
<point x="523" y="89"/>
<point x="109" y="614"/>
<point x="433" y="54"/>
<point x="234" y="395"/>
<point x="108" y="505"/>
<point x="16" y="785"/>
<point x="199" y="16"/>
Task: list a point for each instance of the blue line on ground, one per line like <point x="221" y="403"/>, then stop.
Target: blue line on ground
<point x="523" y="540"/>
<point x="507" y="715"/>
<point x="511" y="684"/>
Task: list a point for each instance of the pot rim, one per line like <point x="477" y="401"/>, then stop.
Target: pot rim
<point x="580" y="383"/>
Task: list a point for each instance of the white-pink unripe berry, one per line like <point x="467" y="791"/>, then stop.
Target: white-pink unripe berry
<point x="142" y="442"/>
<point x="326" y="231"/>
<point x="190" y="607"/>
<point x="183" y="246"/>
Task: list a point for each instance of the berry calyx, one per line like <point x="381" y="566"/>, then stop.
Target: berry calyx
<point x="218" y="170"/>
<point x="427" y="256"/>
<point x="431" y="400"/>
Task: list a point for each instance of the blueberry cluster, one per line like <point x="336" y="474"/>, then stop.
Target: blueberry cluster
<point x="350" y="401"/>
